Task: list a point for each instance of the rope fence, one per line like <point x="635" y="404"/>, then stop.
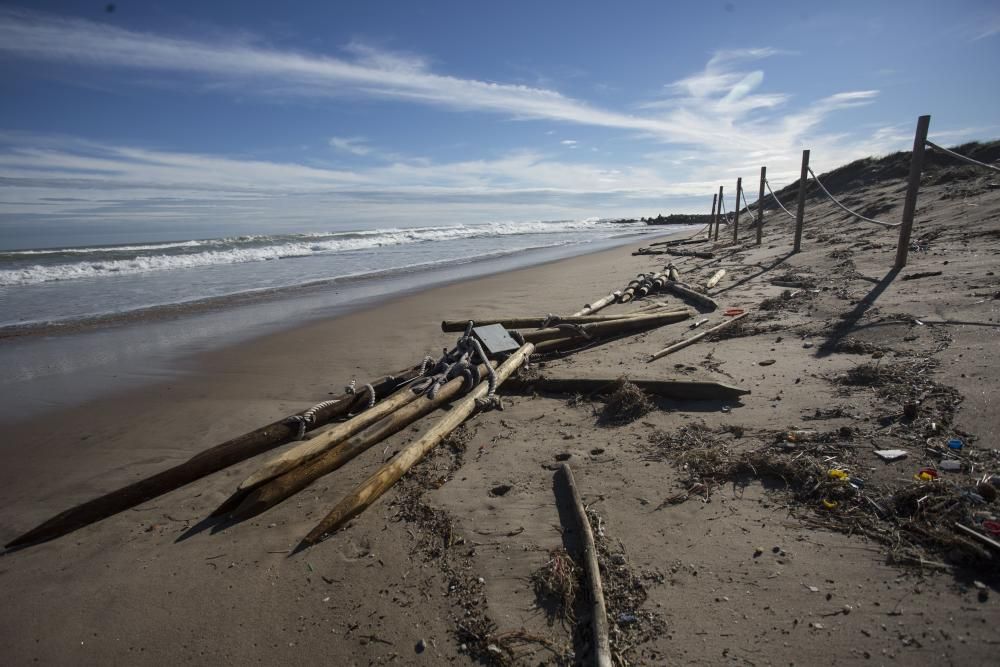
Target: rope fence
<point x="961" y="157"/>
<point x="847" y="210"/>
<point x="776" y="200"/>
<point x="905" y="226"/>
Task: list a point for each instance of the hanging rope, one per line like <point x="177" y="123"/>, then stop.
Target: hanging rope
<point x="961" y="157"/>
<point x="745" y="204"/>
<point x="847" y="210"/>
<point x="722" y="206"/>
<point x="776" y="200"/>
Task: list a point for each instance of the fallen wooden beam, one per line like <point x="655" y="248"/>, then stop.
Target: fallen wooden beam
<point x="372" y="488"/>
<point x="685" y="292"/>
<point x="531" y="322"/>
<point x="599" y="613"/>
<point x="695" y="338"/>
<point x="703" y="254"/>
<point x="690" y="390"/>
<point x="611" y="327"/>
<point x="252" y="502"/>
<point x="716" y="277"/>
<point x="200" y="465"/>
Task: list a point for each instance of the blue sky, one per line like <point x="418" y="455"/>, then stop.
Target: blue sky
<point x="177" y="119"/>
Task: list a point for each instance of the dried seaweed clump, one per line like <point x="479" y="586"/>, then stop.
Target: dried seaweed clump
<point x="625" y="404"/>
<point x="556" y="586"/>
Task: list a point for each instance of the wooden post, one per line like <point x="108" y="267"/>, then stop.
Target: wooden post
<point x="910" y="204"/>
<point x="711" y="218"/>
<point x="736" y="212"/>
<point x="801" y="213"/>
<point x="760" y="206"/>
<point x="717" y="217"/>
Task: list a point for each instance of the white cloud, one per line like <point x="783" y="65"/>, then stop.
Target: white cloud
<point x="569" y="142"/>
<point x="353" y="145"/>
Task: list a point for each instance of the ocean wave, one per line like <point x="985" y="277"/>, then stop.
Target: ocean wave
<point x="41" y="266"/>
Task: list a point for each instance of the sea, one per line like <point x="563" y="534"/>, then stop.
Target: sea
<point x="78" y="319"/>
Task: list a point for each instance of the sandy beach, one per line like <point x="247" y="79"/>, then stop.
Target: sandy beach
<point x="748" y="573"/>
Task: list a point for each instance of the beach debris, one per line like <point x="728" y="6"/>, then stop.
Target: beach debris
<point x="714" y="280"/>
<point x="557" y="583"/>
<point x="695" y="325"/>
<point x="599" y="615"/>
<point x="766" y="362"/>
<point x="207" y="462"/>
<point x="689" y="294"/>
<point x="921" y="274"/>
<point x="695" y="338"/>
<point x="390" y="473"/>
<point x="494" y="339"/>
<point x="889" y="455"/>
<point x="540" y="322"/>
<point x="950" y="465"/>
<point x="625" y="403"/>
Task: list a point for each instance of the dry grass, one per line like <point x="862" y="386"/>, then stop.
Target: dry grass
<point x="625" y="404"/>
<point x="556" y="585"/>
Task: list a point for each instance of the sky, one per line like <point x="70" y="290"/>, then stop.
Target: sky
<point x="143" y="120"/>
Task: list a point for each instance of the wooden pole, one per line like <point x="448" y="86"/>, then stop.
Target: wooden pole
<point x="913" y="186"/>
<point x="372" y="488"/>
<point x="610" y="328"/>
<point x="800" y="214"/>
<point x="599" y="613"/>
<point x="200" y="465"/>
<point x="760" y="206"/>
<point x="592" y="308"/>
<point x="711" y="218"/>
<point x="695" y="338"/>
<point x="718" y="217"/>
<point x="736" y="213"/>
<point x="532" y="322"/>
<point x="274" y="491"/>
<point x="328" y="439"/>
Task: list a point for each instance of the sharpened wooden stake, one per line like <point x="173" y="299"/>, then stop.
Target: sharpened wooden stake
<point x="276" y="490"/>
<point x="200" y="465"/>
<point x="695" y="338"/>
<point x="716" y="277"/>
<point x="321" y="442"/>
<point x="372" y="489"/>
<point x="800" y="214"/>
<point x="599" y="612"/>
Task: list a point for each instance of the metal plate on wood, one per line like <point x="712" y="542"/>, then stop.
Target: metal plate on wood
<point x="495" y="339"/>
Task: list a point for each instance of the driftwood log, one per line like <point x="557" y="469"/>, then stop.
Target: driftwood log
<point x="205" y="463"/>
<point x="690" y="390"/>
<point x="716" y="277"/>
<point x="685" y="292"/>
<point x="371" y="489"/>
<point x="599" y="612"/>
<point x="677" y="242"/>
<point x="609" y="328"/>
<point x="695" y="338"/>
<point x="253" y="502"/>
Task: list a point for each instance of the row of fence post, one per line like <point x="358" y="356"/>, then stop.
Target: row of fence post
<point x="909" y="204"/>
